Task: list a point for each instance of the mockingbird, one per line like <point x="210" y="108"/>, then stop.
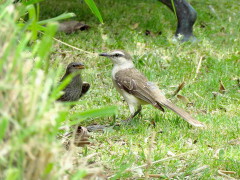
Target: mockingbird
<point x="76" y="88"/>
<point x="137" y="90"/>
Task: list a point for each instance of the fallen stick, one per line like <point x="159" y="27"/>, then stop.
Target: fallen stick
<point x="161" y="160"/>
<point x="66" y="44"/>
<point x="71" y="46"/>
<point x="172" y="175"/>
<point x="199" y="66"/>
<point x="180" y="86"/>
<point x="224" y="175"/>
<point x="155" y="162"/>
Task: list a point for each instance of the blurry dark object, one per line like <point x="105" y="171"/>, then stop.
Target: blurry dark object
<point x="186" y="16"/>
<point x="81" y="137"/>
<point x="72" y="26"/>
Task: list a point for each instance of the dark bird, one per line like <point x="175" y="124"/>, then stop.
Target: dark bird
<point x="72" y="26"/>
<point x="137" y="90"/>
<point x="76" y="88"/>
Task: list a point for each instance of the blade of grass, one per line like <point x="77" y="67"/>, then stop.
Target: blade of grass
<point x="94" y="9"/>
<point x="58" y="18"/>
<point x="174" y="9"/>
<point x="93" y="113"/>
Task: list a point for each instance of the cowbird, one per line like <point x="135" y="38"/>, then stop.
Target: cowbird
<point x="137" y="90"/>
<point x="76" y="88"/>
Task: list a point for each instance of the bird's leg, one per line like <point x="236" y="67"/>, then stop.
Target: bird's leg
<point x="133" y="112"/>
<point x="186" y="16"/>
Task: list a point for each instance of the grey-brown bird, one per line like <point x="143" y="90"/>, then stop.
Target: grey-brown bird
<point x="72" y="26"/>
<point x="76" y="88"/>
<point x="137" y="90"/>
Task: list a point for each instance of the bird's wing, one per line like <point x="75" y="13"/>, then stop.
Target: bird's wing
<point x="135" y="83"/>
<point x="85" y="88"/>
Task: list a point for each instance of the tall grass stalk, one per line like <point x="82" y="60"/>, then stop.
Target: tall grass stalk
<point x="29" y="115"/>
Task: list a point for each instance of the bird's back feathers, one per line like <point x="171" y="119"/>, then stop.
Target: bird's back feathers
<point x="135" y="83"/>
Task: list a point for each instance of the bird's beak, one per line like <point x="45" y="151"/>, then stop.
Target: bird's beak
<point x="80" y="66"/>
<point x="104" y="54"/>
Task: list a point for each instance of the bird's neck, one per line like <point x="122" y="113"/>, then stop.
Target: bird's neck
<point x="119" y="67"/>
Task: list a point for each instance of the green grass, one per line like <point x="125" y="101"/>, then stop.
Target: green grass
<point x="167" y="64"/>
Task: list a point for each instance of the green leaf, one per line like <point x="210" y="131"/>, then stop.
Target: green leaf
<point x="3" y="127"/>
<point x="79" y="175"/>
<point x="28" y="2"/>
<point x="12" y="174"/>
<point x="33" y="20"/>
<point x="93" y="113"/>
<point x="56" y="91"/>
<point x="174" y="9"/>
<point x="48" y="168"/>
<point x="46" y="43"/>
<point x="94" y="9"/>
<point x="58" y="18"/>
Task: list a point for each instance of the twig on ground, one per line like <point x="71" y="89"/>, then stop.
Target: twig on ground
<point x="172" y="175"/>
<point x="161" y="160"/>
<point x="198" y="95"/>
<point x="228" y="172"/>
<point x="157" y="176"/>
<point x="224" y="175"/>
<point x="198" y="67"/>
<point x="155" y="162"/>
<point x="149" y="157"/>
<point x="200" y="169"/>
<point x="73" y="47"/>
<point x="179" y="88"/>
<point x="66" y="44"/>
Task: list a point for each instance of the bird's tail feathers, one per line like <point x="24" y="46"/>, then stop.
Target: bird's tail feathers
<point x="186" y="116"/>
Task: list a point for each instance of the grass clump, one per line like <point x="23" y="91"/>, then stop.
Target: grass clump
<point x="30" y="118"/>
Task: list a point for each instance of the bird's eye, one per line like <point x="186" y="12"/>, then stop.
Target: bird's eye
<point x="117" y="55"/>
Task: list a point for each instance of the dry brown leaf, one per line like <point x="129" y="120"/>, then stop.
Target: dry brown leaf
<point x="234" y="141"/>
<point x="189" y="142"/>
<point x="227" y="172"/>
<point x="81" y="137"/>
<point x="222" y="88"/>
<point x="134" y="26"/>
<point x="217" y="152"/>
<point x="153" y="34"/>
<point x="183" y="99"/>
<point x="215" y="94"/>
<point x="169" y="153"/>
<point x="157" y="175"/>
<point x="224" y="175"/>
<point x="153" y="123"/>
<point x="150" y="33"/>
<point x="180" y="87"/>
<point x="237" y="79"/>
